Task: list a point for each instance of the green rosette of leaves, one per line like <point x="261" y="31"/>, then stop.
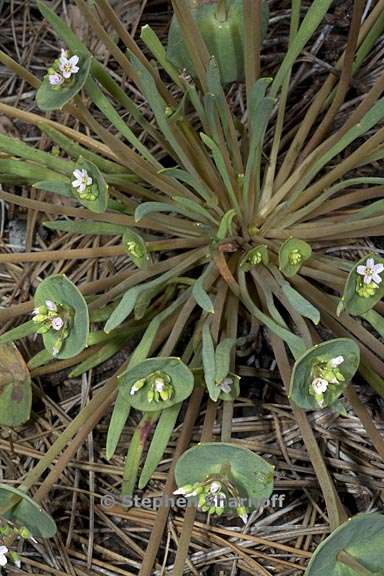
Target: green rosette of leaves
<point x="221" y="25"/>
<point x="69" y="336"/>
<point x="354" y="549"/>
<point x="25" y="512"/>
<point x="364" y="287"/>
<point x="58" y="86"/>
<point x="156" y="384"/>
<point x="224" y="478"/>
<point x="292" y="255"/>
<point x="321" y="375"/>
<point x="15" y="387"/>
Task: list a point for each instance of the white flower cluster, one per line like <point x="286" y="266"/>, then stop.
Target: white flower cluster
<point x="49" y="316"/>
<point x="327" y="374"/>
<point x="213" y="497"/>
<point x="67" y="67"/>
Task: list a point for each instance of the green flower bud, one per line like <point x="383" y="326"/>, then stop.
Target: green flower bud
<point x="255" y="258"/>
<point x="295" y="257"/>
<point x="24" y="532"/>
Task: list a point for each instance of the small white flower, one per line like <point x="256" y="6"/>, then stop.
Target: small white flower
<point x="57" y="323"/>
<point x="371" y="271"/>
<point x="244" y="517"/>
<point x="55" y="351"/>
<point x="226" y="384"/>
<point x="320" y="385"/>
<point x="214" y="487"/>
<point x="159" y="384"/>
<point x="82" y="180"/>
<point x="35" y="311"/>
<point x="51" y="305"/>
<point x="68" y="66"/>
<point x="18" y="563"/>
<point x="55" y="79"/>
<point x="134" y="389"/>
<point x="335" y="362"/>
<point x="3" y="555"/>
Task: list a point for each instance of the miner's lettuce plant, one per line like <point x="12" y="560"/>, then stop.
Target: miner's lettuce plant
<point x="227" y="220"/>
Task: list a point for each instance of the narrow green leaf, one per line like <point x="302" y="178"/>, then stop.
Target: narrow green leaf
<point x="28" y="170"/>
<point x="196" y="184"/>
<point x="223" y="358"/>
<point x="295" y="343"/>
<point x="301" y="304"/>
<point x="59" y="187"/>
<point x="201" y="296"/>
<point x="119" y="418"/>
<point x="376" y="320"/>
<point x="75" y="150"/>
<point x="108" y="110"/>
<point x="209" y="365"/>
<point x="15" y="147"/>
<point x="159" y="442"/>
<point x="311" y="22"/>
<point x="19" y="332"/>
<point x="225" y="227"/>
<point x="192" y="206"/>
<point x="259" y="110"/>
<point x="102" y="355"/>
<point x="122" y="310"/>
<point x="135" y="450"/>
<point x="40" y="359"/>
<point x="86" y="227"/>
<point x="154" y="207"/>
<point x="151" y="40"/>
<point x="220" y="164"/>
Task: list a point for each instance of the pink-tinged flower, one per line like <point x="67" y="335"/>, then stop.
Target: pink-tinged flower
<point x="57" y="323"/>
<point x="51" y="305"/>
<point x="55" y="79"/>
<point x="225" y="385"/>
<point x="82" y="180"/>
<point x="320" y="385"/>
<point x="3" y="555"/>
<point x="68" y="66"/>
<point x="371" y="271"/>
